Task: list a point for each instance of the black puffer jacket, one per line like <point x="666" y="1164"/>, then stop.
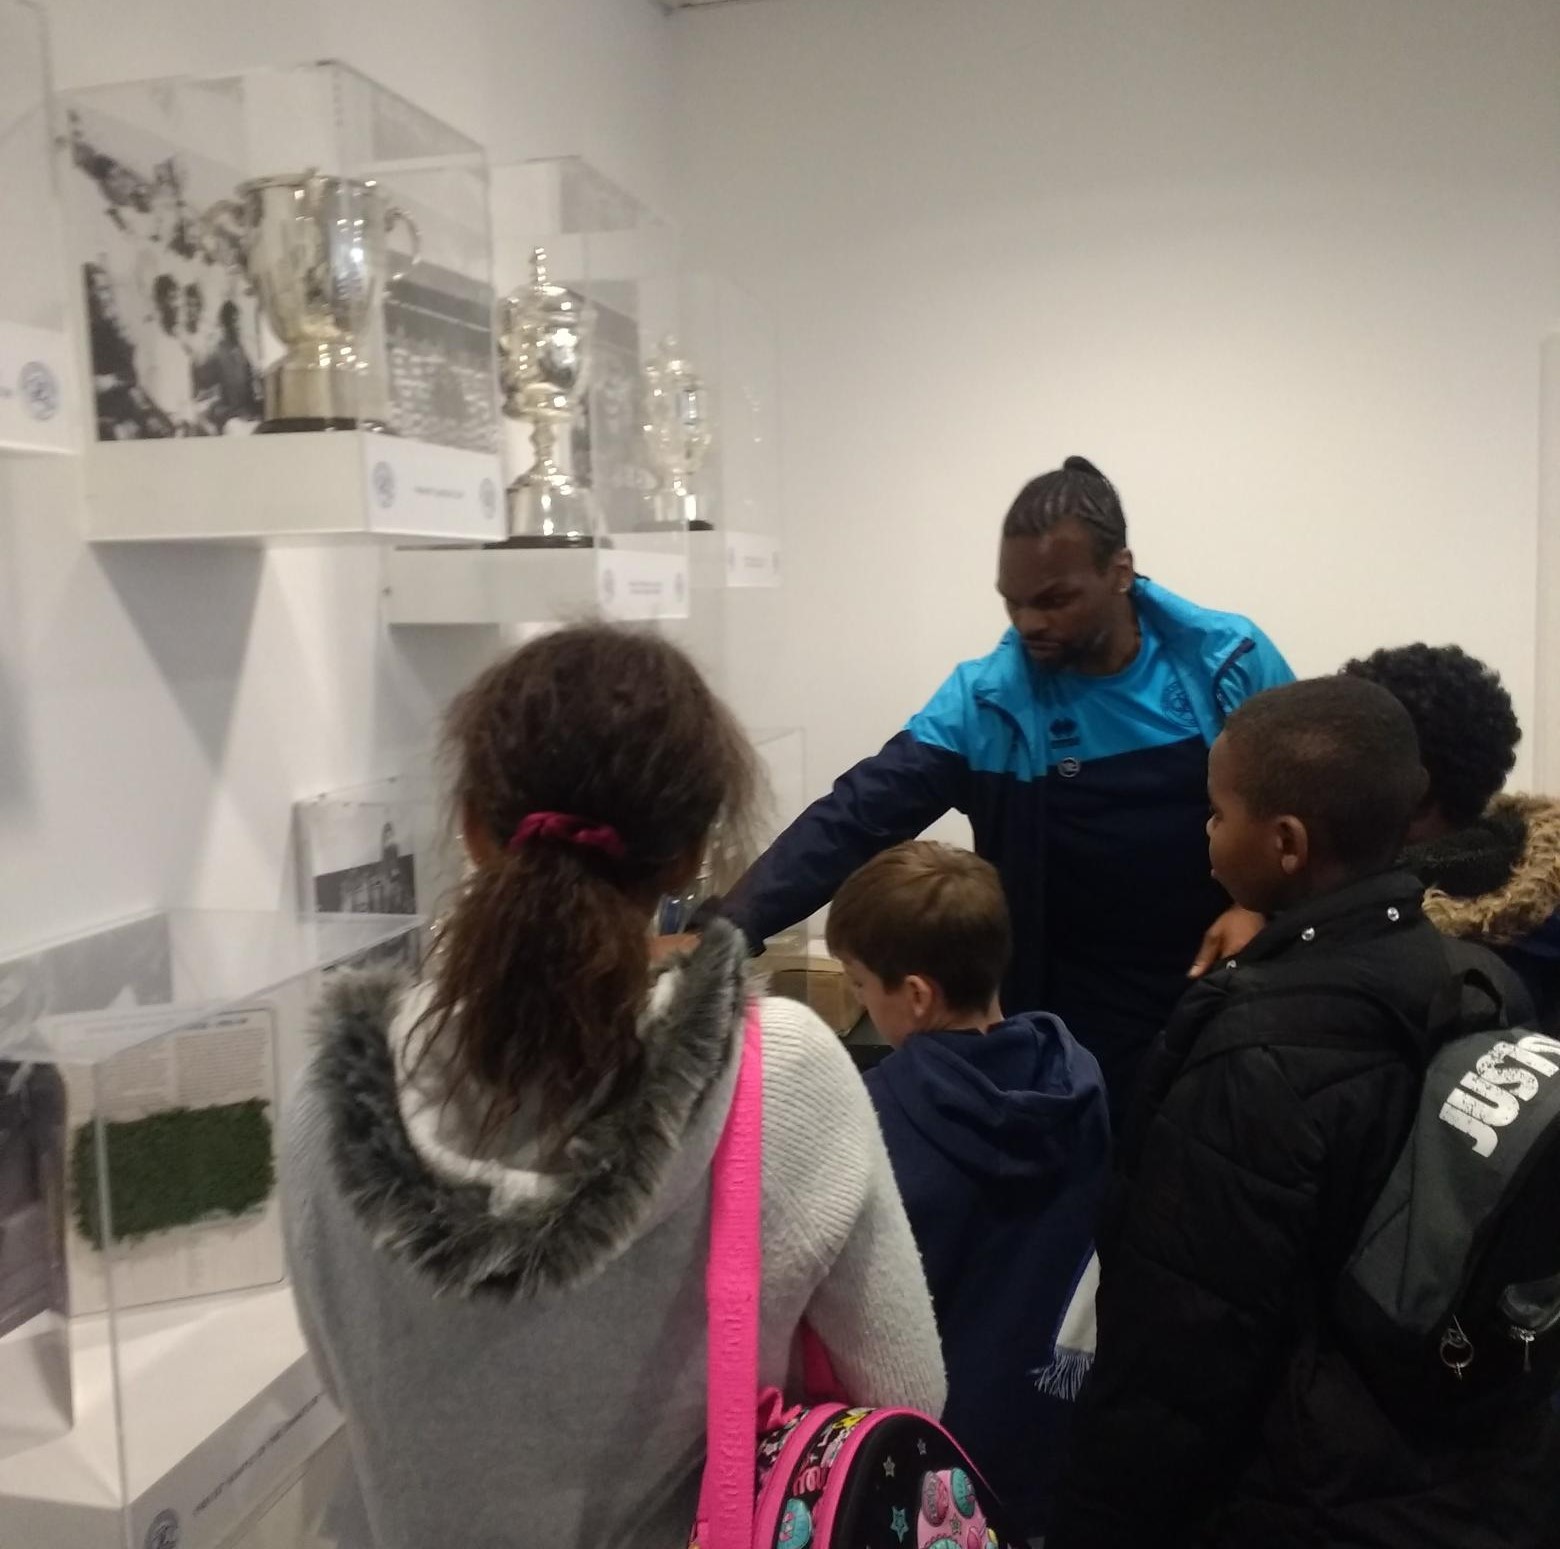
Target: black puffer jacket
<point x="1223" y="1409"/>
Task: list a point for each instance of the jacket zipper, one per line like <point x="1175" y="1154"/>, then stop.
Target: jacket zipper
<point x="1245" y="648"/>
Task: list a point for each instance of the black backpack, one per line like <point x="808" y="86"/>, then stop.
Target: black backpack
<point x="1451" y="1297"/>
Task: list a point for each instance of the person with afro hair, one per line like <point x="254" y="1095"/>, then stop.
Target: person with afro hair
<point x="1490" y="860"/>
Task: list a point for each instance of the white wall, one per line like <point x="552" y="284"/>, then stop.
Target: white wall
<point x="1281" y="270"/>
<point x="161" y="708"/>
<point x="1282" y="274"/>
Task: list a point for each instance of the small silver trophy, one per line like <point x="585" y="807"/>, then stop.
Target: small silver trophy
<point x="544" y="339"/>
<point x="678" y="434"/>
<point x="316" y="249"/>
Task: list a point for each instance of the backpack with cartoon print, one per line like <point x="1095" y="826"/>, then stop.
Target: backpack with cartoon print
<point x="827" y="1476"/>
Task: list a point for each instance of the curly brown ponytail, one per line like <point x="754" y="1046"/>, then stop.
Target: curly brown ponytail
<point x="543" y="965"/>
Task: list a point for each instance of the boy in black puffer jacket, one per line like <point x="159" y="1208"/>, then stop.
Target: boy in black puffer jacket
<point x="1224" y="1408"/>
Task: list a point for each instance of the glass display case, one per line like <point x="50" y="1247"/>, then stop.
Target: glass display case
<point x="781" y="797"/>
<point x="735" y="559"/>
<point x="797" y="965"/>
<point x="729" y="338"/>
<point x="37" y="403"/>
<point x="386" y="847"/>
<point x="154" y="1385"/>
<point x="588" y="277"/>
<point x="285" y="277"/>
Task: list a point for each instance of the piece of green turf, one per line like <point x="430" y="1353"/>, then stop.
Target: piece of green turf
<point x="174" y="1168"/>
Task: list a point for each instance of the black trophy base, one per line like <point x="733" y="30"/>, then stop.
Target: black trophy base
<point x="698" y="524"/>
<point x="562" y="540"/>
<point x="287" y="427"/>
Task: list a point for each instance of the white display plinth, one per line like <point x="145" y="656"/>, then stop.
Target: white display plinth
<point x="240" y="1411"/>
<point x="154" y="1388"/>
<point x="264" y="488"/>
<point x="648" y="580"/>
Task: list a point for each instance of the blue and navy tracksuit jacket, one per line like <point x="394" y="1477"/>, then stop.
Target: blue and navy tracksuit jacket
<point x="1094" y="820"/>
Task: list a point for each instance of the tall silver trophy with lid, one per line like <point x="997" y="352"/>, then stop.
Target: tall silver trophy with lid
<point x="544" y="339"/>
<point x="679" y="432"/>
<point x="317" y="251"/>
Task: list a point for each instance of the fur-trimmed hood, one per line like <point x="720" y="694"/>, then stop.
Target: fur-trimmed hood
<point x="1517" y="842"/>
<point x="475" y="1224"/>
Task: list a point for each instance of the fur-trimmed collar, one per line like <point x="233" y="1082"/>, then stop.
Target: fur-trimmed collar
<point x="472" y="1237"/>
<point x="1506" y="913"/>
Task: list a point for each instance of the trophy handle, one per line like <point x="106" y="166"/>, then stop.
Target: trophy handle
<point x="392" y="215"/>
<point x="211" y="226"/>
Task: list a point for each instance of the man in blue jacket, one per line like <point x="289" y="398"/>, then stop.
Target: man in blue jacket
<point x="1078" y="749"/>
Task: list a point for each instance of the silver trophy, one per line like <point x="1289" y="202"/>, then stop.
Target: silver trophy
<point x="316" y="250"/>
<point x="544" y="339"/>
<point x="678" y="434"/>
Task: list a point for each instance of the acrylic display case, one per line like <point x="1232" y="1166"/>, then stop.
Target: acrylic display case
<point x="154" y="1385"/>
<point x="286" y="283"/>
<point x="797" y="966"/>
<point x="729" y="336"/>
<point x="735" y="563"/>
<point x="386" y="847"/>
<point x="582" y="489"/>
<point x="37" y="402"/>
<point x="781" y="797"/>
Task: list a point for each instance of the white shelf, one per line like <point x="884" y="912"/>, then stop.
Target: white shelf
<point x="256" y="489"/>
<point x="639" y="578"/>
<point x="222" y="1410"/>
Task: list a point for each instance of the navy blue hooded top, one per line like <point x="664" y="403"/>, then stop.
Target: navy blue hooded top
<point x="1001" y="1147"/>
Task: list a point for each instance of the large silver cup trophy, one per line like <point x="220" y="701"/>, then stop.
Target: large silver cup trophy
<point x="544" y="339"/>
<point x="316" y="250"/>
<point x="678" y="434"/>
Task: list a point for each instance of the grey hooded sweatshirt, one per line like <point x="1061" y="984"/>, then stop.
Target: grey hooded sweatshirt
<point x="519" y="1352"/>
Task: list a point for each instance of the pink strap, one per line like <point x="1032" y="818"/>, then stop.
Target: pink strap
<point x="732" y="1283"/>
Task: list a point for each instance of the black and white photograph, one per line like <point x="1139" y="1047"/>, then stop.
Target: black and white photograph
<point x="363" y="854"/>
<point x="385" y="885"/>
<point x="32" y="1220"/>
<point x="173" y="331"/>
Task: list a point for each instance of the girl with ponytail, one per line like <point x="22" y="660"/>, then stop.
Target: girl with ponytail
<point x="497" y="1180"/>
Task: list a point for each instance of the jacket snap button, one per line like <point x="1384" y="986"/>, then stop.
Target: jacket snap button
<point x="1393" y="915"/>
<point x="1308" y="934"/>
<point x="1233" y="962"/>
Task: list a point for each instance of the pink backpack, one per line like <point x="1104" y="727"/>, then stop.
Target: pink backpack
<point x="827" y="1476"/>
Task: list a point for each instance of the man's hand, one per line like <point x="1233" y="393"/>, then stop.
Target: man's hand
<point x="1225" y="938"/>
<point x="668" y="946"/>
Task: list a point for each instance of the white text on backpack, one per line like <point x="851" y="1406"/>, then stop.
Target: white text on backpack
<point x="1490" y="1096"/>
